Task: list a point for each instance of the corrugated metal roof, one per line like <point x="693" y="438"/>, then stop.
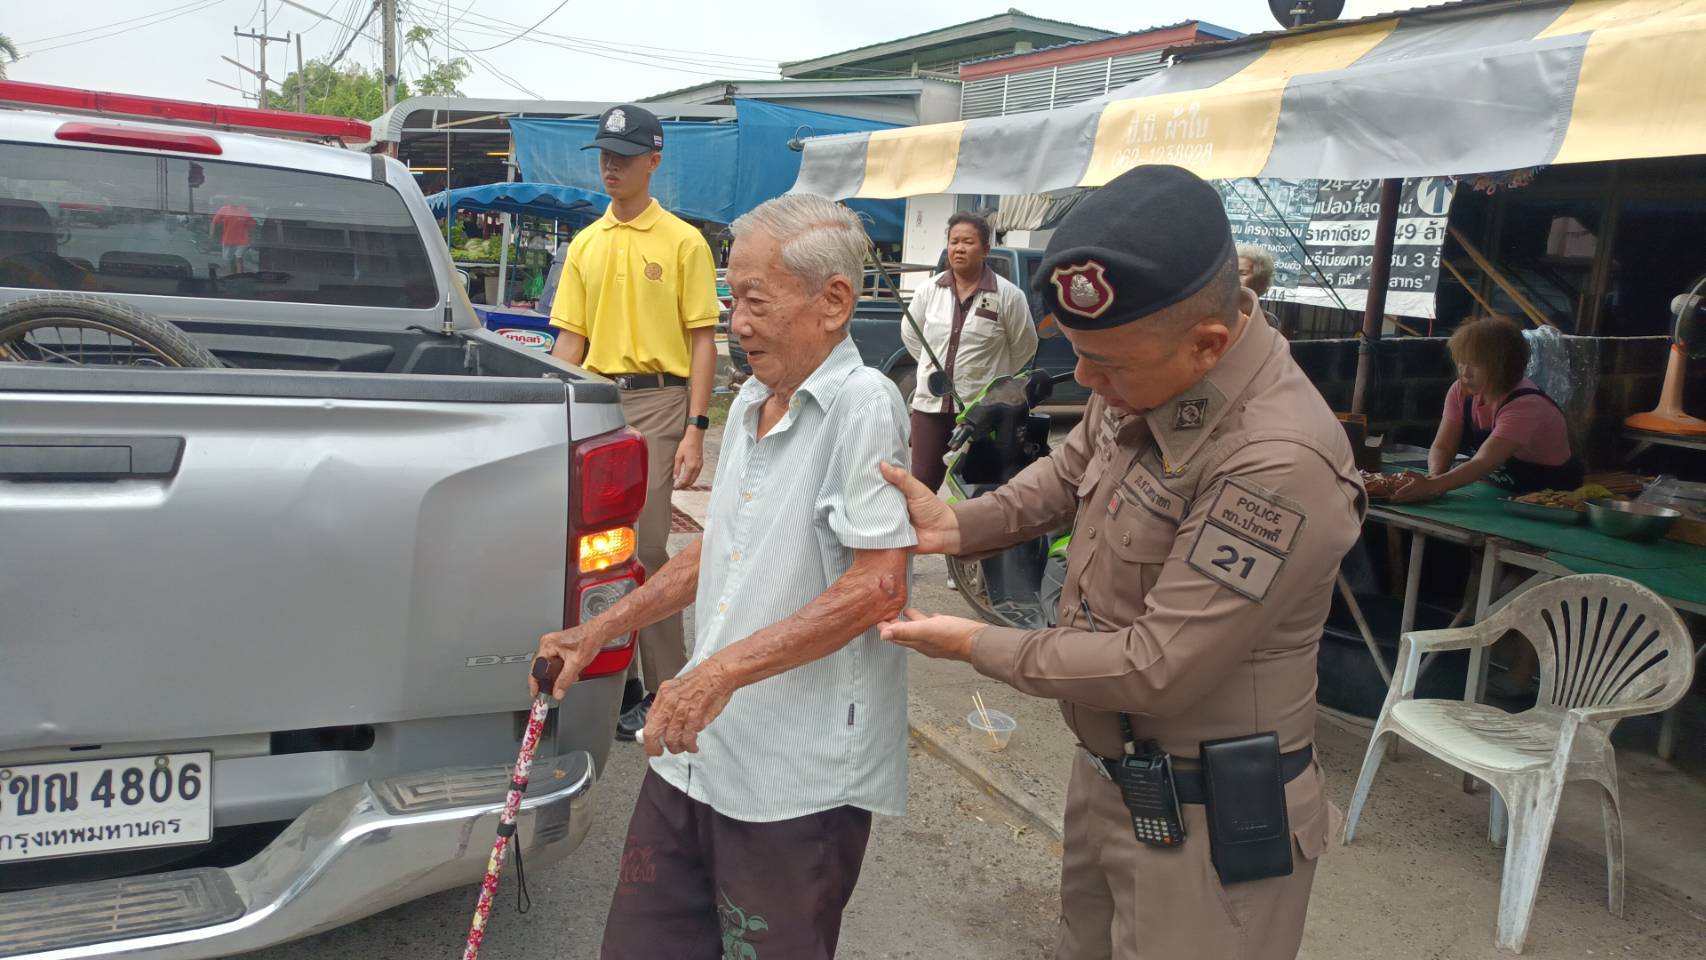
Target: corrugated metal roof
<point x="1225" y="33"/>
<point x="1014" y="12"/>
<point x="1449" y="8"/>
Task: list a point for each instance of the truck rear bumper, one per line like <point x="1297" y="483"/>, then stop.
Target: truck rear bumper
<point x="363" y="849"/>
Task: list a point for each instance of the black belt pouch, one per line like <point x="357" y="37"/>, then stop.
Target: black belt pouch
<point x="1249" y="834"/>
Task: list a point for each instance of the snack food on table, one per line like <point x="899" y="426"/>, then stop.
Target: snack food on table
<point x="1381" y="486"/>
<point x="1568" y="500"/>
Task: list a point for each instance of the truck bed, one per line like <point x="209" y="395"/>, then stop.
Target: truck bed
<point x="350" y="521"/>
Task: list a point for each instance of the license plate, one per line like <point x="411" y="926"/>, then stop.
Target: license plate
<point x="52" y="810"/>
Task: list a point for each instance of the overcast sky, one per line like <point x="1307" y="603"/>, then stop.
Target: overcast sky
<point x="601" y="49"/>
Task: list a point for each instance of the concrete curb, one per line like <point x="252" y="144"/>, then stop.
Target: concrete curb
<point x="934" y="732"/>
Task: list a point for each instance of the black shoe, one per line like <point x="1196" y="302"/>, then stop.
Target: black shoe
<point x="633" y="720"/>
<point x="632" y="692"/>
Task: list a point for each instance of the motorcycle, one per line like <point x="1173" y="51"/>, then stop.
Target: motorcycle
<point x="998" y="435"/>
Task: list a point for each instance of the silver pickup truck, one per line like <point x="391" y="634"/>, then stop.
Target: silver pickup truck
<point x="265" y="626"/>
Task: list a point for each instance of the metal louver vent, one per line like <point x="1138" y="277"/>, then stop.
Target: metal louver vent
<point x="1077" y="82"/>
<point x="1133" y="67"/>
<point x="982" y="98"/>
<point x="1033" y="90"/>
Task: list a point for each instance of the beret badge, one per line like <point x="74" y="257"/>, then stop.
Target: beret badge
<point x="1083" y="288"/>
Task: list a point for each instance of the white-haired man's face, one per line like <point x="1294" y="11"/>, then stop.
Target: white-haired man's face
<point x="785" y="326"/>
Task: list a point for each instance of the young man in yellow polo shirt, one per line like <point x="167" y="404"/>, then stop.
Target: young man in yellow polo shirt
<point x="637" y="303"/>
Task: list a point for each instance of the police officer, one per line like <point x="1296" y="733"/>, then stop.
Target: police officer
<point x="1212" y="494"/>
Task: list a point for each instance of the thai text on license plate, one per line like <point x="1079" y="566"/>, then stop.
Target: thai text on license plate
<point x="97" y="806"/>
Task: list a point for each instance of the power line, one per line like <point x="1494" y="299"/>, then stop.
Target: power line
<point x="355" y="36"/>
<point x="124" y="26"/>
<point x="508" y="80"/>
<point x="634" y="48"/>
<point x="519" y="35"/>
<point x="656" y="61"/>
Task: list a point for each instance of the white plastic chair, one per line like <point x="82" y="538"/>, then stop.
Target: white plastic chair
<point x="1609" y="648"/>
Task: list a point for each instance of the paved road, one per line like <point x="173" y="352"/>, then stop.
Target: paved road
<point x="950" y="881"/>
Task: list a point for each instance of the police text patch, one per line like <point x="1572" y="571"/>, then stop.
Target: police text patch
<point x="1260" y="517"/>
<point x="1224" y="556"/>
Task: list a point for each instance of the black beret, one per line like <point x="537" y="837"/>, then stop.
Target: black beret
<point x="1150" y="238"/>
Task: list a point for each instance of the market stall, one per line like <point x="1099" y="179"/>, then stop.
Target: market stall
<point x="543" y="201"/>
<point x="1472" y="88"/>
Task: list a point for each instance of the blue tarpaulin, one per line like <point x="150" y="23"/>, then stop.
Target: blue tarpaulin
<point x="545" y="200"/>
<point x="710" y="171"/>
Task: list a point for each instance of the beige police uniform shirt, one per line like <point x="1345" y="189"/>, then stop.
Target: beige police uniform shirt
<point x="1206" y="538"/>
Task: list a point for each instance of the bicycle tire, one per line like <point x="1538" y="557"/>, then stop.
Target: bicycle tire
<point x="969" y="582"/>
<point x="165" y="340"/>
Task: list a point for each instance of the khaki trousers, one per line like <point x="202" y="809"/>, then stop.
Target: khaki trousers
<point x="1124" y="900"/>
<point x="660" y="414"/>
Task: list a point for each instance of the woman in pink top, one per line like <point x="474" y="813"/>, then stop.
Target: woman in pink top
<point x="1512" y="433"/>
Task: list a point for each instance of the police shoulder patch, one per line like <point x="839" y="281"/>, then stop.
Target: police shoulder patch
<point x="1249" y="533"/>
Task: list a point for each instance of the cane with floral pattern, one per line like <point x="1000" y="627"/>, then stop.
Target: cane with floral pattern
<point x="545" y="670"/>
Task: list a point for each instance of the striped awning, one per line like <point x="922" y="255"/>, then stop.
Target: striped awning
<point x="1465" y="88"/>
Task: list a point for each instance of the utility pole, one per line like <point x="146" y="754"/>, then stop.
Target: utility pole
<point x="388" y="14"/>
<point x="301" y="79"/>
<point x="263" y="39"/>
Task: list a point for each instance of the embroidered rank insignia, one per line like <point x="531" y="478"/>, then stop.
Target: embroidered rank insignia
<point x="1189" y="414"/>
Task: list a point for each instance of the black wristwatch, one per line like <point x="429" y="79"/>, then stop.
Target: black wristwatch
<point x="702" y="422"/>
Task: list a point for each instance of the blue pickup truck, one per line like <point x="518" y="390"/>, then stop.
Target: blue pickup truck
<point x="877" y="322"/>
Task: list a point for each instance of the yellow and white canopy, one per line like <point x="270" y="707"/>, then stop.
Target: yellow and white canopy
<point x="1470" y="87"/>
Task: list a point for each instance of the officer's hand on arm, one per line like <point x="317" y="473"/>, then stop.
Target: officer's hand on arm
<point x="937" y="527"/>
<point x="1223" y="588"/>
<point x="935" y="636"/>
<point x="870" y="592"/>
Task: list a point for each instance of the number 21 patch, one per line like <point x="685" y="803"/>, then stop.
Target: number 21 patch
<point x="1234" y="561"/>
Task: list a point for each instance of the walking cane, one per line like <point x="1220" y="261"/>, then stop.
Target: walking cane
<point x="545" y="670"/>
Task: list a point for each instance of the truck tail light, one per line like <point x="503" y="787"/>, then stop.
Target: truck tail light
<point x="601" y="551"/>
<point x="607" y="492"/>
<point x="595" y="598"/>
<point x="609" y="480"/>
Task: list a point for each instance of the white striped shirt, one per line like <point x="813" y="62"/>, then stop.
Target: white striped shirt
<point x="786" y="514"/>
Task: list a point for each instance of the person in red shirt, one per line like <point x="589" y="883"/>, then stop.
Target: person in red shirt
<point x="233" y="226"/>
<point x="1513" y="433"/>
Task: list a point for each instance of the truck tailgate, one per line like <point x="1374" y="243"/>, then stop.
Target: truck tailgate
<point x="310" y="562"/>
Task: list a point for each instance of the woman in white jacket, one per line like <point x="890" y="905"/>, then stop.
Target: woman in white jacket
<point x="978" y="324"/>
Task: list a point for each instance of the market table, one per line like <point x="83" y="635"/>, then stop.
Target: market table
<point x="1473" y="515"/>
<point x="1646" y="439"/>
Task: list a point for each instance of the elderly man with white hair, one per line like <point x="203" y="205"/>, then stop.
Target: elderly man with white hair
<point x="787" y="728"/>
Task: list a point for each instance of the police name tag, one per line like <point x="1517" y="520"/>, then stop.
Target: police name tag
<point x="1235" y="562"/>
<point x="1141" y="486"/>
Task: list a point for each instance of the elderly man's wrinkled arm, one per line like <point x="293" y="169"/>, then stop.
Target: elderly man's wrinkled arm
<point x="668" y="591"/>
<point x="870" y="592"/>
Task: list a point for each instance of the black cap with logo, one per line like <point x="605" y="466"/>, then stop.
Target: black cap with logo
<point x="1150" y="238"/>
<point x="628" y="131"/>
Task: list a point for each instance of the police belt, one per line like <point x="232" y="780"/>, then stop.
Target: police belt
<point x="646" y="381"/>
<point x="1188" y="783"/>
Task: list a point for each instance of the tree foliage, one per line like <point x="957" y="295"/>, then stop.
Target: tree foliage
<point x="8" y="52"/>
<point x="440" y="78"/>
<point x="352" y="90"/>
<point x="348" y="90"/>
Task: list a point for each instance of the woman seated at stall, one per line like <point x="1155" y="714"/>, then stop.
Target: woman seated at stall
<point x="1513" y="434"/>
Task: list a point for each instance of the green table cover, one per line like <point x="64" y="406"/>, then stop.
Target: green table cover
<point x="1676" y="570"/>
